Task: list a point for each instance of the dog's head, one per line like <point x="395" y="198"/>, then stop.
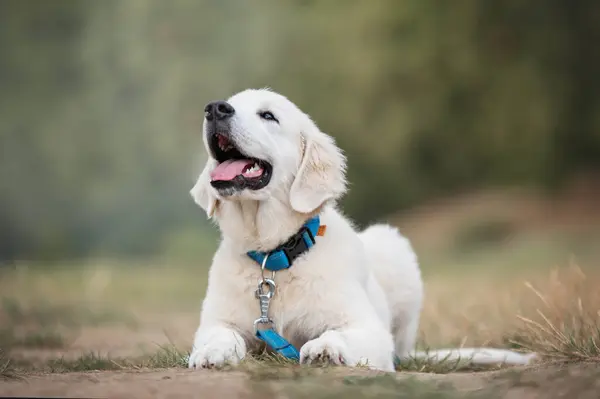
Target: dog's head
<point x="262" y="147"/>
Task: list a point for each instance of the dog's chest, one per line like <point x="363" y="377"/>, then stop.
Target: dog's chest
<point x="290" y="308"/>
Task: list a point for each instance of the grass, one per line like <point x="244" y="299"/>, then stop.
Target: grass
<point x="165" y="357"/>
<point x="488" y="282"/>
<point x="90" y="361"/>
<point x="39" y="312"/>
<point x="566" y="326"/>
<point x="7" y="369"/>
<point x="9" y="338"/>
<point x="100" y="292"/>
<point x="441" y="366"/>
<point x="33" y="323"/>
<point x="554" y="313"/>
<point x="556" y="317"/>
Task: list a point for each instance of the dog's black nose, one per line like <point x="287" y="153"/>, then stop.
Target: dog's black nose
<point x="218" y="110"/>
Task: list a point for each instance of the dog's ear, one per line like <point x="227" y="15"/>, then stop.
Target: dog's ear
<point x="202" y="194"/>
<point x="321" y="176"/>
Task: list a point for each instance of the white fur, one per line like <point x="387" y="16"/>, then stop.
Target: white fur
<point x="354" y="298"/>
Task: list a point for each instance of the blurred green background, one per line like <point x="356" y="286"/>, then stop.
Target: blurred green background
<point x="101" y="111"/>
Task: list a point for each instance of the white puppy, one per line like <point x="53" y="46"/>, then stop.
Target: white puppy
<point x="351" y="298"/>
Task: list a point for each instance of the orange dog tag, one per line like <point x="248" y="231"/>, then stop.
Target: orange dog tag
<point x="322" y="229"/>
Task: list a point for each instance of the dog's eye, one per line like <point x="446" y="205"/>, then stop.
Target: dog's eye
<point x="268" y="116"/>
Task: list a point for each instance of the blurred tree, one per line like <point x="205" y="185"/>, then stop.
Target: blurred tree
<point x="433" y="96"/>
<point x="101" y="104"/>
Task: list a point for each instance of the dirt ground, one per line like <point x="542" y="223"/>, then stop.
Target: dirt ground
<point x="566" y="381"/>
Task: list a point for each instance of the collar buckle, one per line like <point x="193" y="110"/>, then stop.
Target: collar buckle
<point x="299" y="244"/>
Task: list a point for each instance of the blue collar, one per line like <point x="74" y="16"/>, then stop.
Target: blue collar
<point x="284" y="255"/>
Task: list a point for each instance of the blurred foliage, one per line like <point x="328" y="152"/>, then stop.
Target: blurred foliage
<point x="101" y="104"/>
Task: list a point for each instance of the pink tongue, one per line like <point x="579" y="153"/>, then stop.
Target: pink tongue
<point x="228" y="170"/>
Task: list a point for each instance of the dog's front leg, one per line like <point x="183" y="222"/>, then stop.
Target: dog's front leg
<point x="371" y="347"/>
<point x="216" y="346"/>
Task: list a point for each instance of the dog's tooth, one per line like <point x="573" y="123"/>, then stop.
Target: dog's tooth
<point x="254" y="168"/>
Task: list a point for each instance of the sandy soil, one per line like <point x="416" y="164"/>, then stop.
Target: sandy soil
<point x="566" y="381"/>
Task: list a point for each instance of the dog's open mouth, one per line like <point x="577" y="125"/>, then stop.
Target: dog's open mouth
<point x="235" y="170"/>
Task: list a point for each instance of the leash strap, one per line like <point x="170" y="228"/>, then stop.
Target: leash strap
<point x="281" y="258"/>
<point x="264" y="292"/>
<point x="278" y="344"/>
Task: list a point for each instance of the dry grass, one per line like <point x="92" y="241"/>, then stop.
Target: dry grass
<point x="7" y="369"/>
<point x="487" y="282"/>
<point x="166" y="356"/>
<point x="566" y="323"/>
<point x="44" y="339"/>
<point x="555" y="314"/>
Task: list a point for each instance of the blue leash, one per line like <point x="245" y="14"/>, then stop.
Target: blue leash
<point x="269" y="335"/>
<point x="278" y="344"/>
<point x="281" y="258"/>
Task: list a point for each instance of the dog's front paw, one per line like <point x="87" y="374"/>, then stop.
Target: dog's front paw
<point x="227" y="348"/>
<point x="329" y="348"/>
<point x="213" y="357"/>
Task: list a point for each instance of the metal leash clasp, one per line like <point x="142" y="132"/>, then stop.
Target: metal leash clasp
<point x="264" y="300"/>
<point x="264" y="296"/>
